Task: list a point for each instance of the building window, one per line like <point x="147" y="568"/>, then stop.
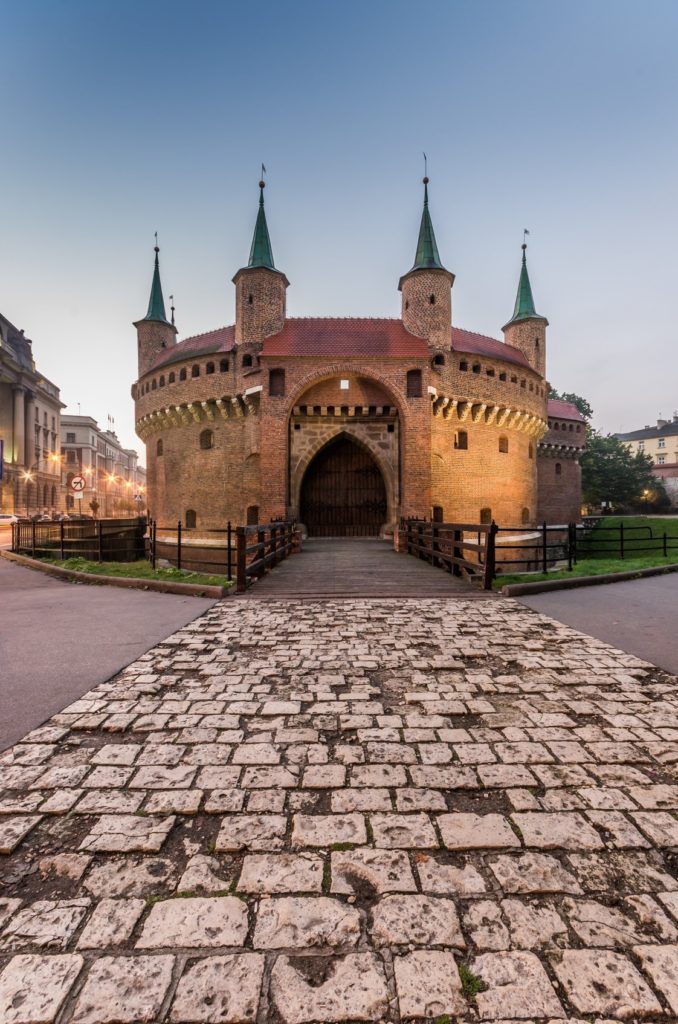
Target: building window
<point x="522" y="383"/>
<point x="514" y="379"/>
<point x="182" y="374"/>
<point x="502" y="376"/>
<point x="476" y="368"/>
<point x="559" y="469"/>
<point x="485" y="516"/>
<point x="154" y="384"/>
<point x="503" y="445"/>
<point x="344" y="385"/>
<point x="276" y="383"/>
<point x="437" y="514"/>
<point x="171" y="378"/>
<point x="209" y="368"/>
<point x="53" y="423"/>
<point x="439" y="360"/>
<point x="414" y="383"/>
<point x="461" y="440"/>
<point x="161" y="382"/>
<point x="463" y="366"/>
<point x="71" y="456"/>
<point x="250" y="300"/>
<point x="223" y="366"/>
<point x="191" y="519"/>
<point x="660" y="460"/>
<point x="432" y="300"/>
<point x="158" y="447"/>
<point x="525" y="516"/>
<point x="206" y="439"/>
<point x="247" y="360"/>
<point x="252" y="515"/>
<point x="70" y="438"/>
<point x="195" y="371"/>
<point x="490" y="372"/>
<point x="661" y="443"/>
<point x="579" y="428"/>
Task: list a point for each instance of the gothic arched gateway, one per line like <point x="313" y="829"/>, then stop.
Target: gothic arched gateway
<point x="343" y="493"/>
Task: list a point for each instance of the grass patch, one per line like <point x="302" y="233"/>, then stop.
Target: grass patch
<point x="139" y="570"/>
<point x="588" y="567"/>
<point x="471" y="984"/>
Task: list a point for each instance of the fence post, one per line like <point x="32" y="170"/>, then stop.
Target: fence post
<point x="664" y="540"/>
<point x="61" y="538"/>
<point x="621" y="540"/>
<point x="178" y="543"/>
<point x="261" y="539"/>
<point x="490" y="556"/>
<point x="100" y="542"/>
<point x="570" y="531"/>
<point x="274" y="545"/>
<point x="229" y="574"/>
<point x="544" y="563"/>
<point x="154" y="527"/>
<point x="457" y="552"/>
<point x="241" y="565"/>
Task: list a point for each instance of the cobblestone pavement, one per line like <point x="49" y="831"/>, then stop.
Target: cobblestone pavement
<point x="348" y="811"/>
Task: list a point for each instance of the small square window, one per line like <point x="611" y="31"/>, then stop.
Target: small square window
<point x="343" y="384"/>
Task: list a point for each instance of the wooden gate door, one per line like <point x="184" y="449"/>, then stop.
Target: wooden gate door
<point x="343" y="492"/>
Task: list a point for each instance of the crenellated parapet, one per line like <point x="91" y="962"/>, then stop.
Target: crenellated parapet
<point x="460" y="409"/>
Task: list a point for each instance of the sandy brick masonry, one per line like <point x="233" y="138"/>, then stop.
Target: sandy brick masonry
<point x="297" y="812"/>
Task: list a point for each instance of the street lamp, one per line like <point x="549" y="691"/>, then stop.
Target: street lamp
<point x="27" y="474"/>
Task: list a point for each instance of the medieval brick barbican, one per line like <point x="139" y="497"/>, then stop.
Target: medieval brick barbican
<point x="375" y="418"/>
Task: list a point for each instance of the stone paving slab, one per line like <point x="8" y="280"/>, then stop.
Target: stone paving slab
<point x="361" y="810"/>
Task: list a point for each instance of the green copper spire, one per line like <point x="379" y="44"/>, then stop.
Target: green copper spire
<point x="427" y="257"/>
<point x="261" y="254"/>
<point x="156" y="304"/>
<point x="524" y="307"/>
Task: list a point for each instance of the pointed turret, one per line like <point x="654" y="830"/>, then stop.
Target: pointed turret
<point x="261" y="254"/>
<point x="427" y="288"/>
<point x="526" y="330"/>
<point x="154" y="331"/>
<point x="259" y="287"/>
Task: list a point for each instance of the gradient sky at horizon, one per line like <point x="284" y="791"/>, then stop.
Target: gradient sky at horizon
<point x="121" y="118"/>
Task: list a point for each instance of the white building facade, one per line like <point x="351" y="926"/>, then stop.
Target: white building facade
<point x="114" y="482"/>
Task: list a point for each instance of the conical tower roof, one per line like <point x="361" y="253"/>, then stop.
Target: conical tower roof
<point x="261" y="253"/>
<point x="156" y="303"/>
<point x="427" y="256"/>
<point x="524" y="307"/>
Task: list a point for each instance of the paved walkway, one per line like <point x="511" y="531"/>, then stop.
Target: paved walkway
<point x="639" y="616"/>
<point x="359" y="568"/>
<point x="300" y="811"/>
<point x="59" y="639"/>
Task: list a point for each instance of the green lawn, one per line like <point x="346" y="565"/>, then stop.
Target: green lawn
<point x="588" y="567"/>
<point x="605" y="537"/>
<point x="140" y="570"/>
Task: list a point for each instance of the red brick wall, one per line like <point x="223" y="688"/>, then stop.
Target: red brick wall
<point x="559" y="494"/>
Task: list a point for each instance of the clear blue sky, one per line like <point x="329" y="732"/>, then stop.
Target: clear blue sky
<point x="123" y="118"/>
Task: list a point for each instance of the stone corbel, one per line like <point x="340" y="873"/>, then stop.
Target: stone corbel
<point x="491" y="415"/>
<point x="182" y="414"/>
<point x="207" y="409"/>
<point x="464" y="410"/>
<point x="237" y="408"/>
<point x="450" y="408"/>
<point x="503" y="416"/>
<point x="195" y="413"/>
<point x="223" y="408"/>
<point x="479" y="412"/>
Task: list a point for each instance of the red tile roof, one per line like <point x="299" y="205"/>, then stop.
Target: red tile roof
<point x="482" y="345"/>
<point x="344" y="336"/>
<point x="564" y="410"/>
<point x="221" y="340"/>
<point x="330" y="337"/>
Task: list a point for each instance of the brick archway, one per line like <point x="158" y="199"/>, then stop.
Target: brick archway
<point x="387" y="468"/>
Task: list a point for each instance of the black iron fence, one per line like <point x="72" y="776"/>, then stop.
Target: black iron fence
<point x="535" y="549"/>
<point x="595" y="539"/>
<point x="211" y="551"/>
<point x="101" y="540"/>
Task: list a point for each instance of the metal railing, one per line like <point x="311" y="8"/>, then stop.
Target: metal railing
<point x="273" y="543"/>
<point x="444" y="545"/>
<point x="191" y="547"/>
<point x="625" y="541"/>
<point x="100" y="540"/>
<point x="544" y="546"/>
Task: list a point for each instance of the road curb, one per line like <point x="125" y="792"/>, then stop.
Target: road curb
<point x="161" y="586"/>
<point x="545" y="586"/>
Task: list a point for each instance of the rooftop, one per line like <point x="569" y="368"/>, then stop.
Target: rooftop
<point x="558" y="409"/>
<point x="329" y="337"/>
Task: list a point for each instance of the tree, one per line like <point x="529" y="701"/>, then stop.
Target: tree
<point x="612" y="473"/>
<point x="569" y="396"/>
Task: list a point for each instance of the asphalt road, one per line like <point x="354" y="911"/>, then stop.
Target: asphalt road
<point x="639" y="616"/>
<point x="58" y="640"/>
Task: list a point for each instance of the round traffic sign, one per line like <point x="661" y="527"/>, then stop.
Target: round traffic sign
<point x="78" y="484"/>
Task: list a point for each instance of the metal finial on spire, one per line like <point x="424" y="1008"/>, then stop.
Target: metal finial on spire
<point x="157" y="247"/>
<point x="425" y="169"/>
<point x="171" y="298"/>
<point x="524" y="245"/>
